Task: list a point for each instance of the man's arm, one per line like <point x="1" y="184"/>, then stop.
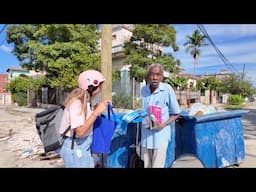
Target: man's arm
<point x="167" y="122"/>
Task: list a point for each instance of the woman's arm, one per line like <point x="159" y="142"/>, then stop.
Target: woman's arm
<point x="101" y="107"/>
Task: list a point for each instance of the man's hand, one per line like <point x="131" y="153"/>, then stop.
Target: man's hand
<point x="158" y="125"/>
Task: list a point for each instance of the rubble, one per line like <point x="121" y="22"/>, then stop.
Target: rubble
<point x="19" y="136"/>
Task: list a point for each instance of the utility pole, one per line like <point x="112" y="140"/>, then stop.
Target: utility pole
<point x="106" y="61"/>
<point x="243" y="72"/>
<point x="242" y="79"/>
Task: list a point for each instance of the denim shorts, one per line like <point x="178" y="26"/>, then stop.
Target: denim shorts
<point x="80" y="156"/>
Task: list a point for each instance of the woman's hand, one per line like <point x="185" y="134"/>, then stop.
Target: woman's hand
<point x="101" y="107"/>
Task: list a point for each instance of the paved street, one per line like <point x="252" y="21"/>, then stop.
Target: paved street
<point x="249" y="125"/>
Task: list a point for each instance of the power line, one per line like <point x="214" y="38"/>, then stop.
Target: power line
<point x="3" y="28"/>
<point x="243" y="72"/>
<point x="2" y="42"/>
<point x="223" y="58"/>
<point x="2" y="32"/>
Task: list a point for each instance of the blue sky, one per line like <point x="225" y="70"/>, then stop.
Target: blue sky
<point x="237" y="42"/>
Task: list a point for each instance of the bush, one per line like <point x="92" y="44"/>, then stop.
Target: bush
<point x="138" y="104"/>
<point x="20" y="98"/>
<point x="122" y="101"/>
<point x="235" y="100"/>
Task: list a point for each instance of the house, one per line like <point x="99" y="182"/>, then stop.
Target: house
<point x="3" y="82"/>
<point x="16" y="72"/>
<point x="19" y="72"/>
<point x="120" y="34"/>
<point x="220" y="75"/>
<point x="5" y="97"/>
<point x="213" y="96"/>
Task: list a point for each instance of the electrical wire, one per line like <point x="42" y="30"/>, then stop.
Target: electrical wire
<point x="2" y="30"/>
<point x="223" y="58"/>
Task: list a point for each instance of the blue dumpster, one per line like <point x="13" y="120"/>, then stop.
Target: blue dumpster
<point x="215" y="139"/>
<point x="124" y="141"/>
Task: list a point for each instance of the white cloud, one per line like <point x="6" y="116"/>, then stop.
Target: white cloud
<point x="5" y="48"/>
<point x="226" y="30"/>
<point x="231" y="30"/>
<point x="238" y="47"/>
<point x="251" y="77"/>
<point x="235" y="50"/>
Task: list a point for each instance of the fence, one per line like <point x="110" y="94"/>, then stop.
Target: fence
<point x="186" y="97"/>
<point x="5" y="98"/>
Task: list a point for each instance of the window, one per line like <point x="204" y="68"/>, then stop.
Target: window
<point x="114" y="37"/>
<point x="202" y="92"/>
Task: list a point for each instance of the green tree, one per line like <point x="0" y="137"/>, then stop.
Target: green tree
<point x="178" y="81"/>
<point x="61" y="50"/>
<point x="145" y="48"/>
<point x="236" y="85"/>
<point x="20" y="85"/>
<point x="116" y="75"/>
<point x="20" y="35"/>
<point x="193" y="44"/>
<point x="18" y="88"/>
<point x="210" y="83"/>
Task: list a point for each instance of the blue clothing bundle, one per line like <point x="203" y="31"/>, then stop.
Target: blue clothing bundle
<point x="134" y="115"/>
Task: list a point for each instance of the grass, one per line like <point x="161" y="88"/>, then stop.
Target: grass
<point x="234" y="107"/>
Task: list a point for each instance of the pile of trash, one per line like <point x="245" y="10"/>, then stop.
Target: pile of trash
<point x="198" y="109"/>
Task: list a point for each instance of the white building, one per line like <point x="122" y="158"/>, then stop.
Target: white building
<point x="120" y="34"/>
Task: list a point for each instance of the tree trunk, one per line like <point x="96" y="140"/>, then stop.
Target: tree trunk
<point x="210" y="96"/>
<point x="195" y="63"/>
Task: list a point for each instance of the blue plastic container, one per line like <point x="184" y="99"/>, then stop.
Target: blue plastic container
<point x="215" y="139"/>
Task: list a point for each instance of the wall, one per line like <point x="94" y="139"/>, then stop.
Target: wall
<point x="3" y="82"/>
<point x="5" y="99"/>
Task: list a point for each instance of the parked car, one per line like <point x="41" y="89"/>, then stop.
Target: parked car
<point x="252" y="99"/>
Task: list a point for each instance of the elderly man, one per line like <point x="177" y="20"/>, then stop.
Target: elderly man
<point x="161" y="96"/>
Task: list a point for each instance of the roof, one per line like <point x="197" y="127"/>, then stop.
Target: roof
<point x="16" y="69"/>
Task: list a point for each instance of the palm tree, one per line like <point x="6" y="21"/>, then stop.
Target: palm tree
<point x="193" y="44"/>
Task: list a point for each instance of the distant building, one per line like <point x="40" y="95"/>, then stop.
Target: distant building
<point x="3" y="82"/>
<point x="219" y="75"/>
<point x="19" y="72"/>
<point x="5" y="97"/>
<point x="122" y="33"/>
<point x="213" y="96"/>
<point x="16" y="72"/>
<point x="191" y="79"/>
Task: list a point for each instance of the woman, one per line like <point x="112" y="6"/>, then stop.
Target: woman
<point x="80" y="116"/>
